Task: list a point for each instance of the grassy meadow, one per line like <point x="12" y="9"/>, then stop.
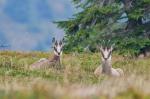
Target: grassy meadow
<point x="75" y="81"/>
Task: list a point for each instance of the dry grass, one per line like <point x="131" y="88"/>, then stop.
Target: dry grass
<point x="75" y="81"/>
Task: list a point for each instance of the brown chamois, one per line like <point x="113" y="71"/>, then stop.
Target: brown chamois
<point x="55" y="61"/>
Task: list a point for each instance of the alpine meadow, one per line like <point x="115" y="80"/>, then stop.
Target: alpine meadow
<point x="104" y="54"/>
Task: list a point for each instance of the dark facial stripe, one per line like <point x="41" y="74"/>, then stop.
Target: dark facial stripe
<point x="56" y="43"/>
<point x="57" y="51"/>
<point x="102" y="54"/>
<point x="107" y="56"/>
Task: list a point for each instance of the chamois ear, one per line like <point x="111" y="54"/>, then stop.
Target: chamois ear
<point x="98" y="46"/>
<point x="63" y="39"/>
<point x="61" y="42"/>
<point x="101" y="48"/>
<point x="108" y="43"/>
<point x="53" y="42"/>
<point x="53" y="39"/>
<point x="112" y="47"/>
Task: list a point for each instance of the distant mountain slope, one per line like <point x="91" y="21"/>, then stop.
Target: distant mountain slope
<point x="27" y="24"/>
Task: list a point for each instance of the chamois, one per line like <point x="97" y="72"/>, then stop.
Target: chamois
<point x="106" y="66"/>
<point x="55" y="61"/>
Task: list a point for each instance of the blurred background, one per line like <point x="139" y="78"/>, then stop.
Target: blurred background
<point x="27" y="25"/>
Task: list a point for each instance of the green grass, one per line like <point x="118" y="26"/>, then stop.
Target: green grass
<point x="75" y="81"/>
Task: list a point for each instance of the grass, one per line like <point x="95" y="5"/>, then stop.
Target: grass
<point x="75" y="81"/>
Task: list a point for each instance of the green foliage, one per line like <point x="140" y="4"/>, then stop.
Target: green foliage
<point x="132" y="46"/>
<point x="99" y="21"/>
<point x="136" y="14"/>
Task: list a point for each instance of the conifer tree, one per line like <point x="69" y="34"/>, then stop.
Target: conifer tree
<point x="124" y="22"/>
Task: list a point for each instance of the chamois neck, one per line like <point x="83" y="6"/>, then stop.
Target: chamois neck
<point x="55" y="58"/>
<point x="106" y="67"/>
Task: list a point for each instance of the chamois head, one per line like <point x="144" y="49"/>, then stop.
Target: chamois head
<point x="106" y="52"/>
<point x="58" y="46"/>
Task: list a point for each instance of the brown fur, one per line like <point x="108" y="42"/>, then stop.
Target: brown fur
<point x="46" y="63"/>
<point x="120" y="71"/>
<point x="98" y="71"/>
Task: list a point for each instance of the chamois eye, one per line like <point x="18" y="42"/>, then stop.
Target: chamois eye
<point x="60" y="43"/>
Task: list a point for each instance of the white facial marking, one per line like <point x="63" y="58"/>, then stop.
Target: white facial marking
<point x="58" y="49"/>
<point x="106" y="54"/>
<point x="56" y="53"/>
